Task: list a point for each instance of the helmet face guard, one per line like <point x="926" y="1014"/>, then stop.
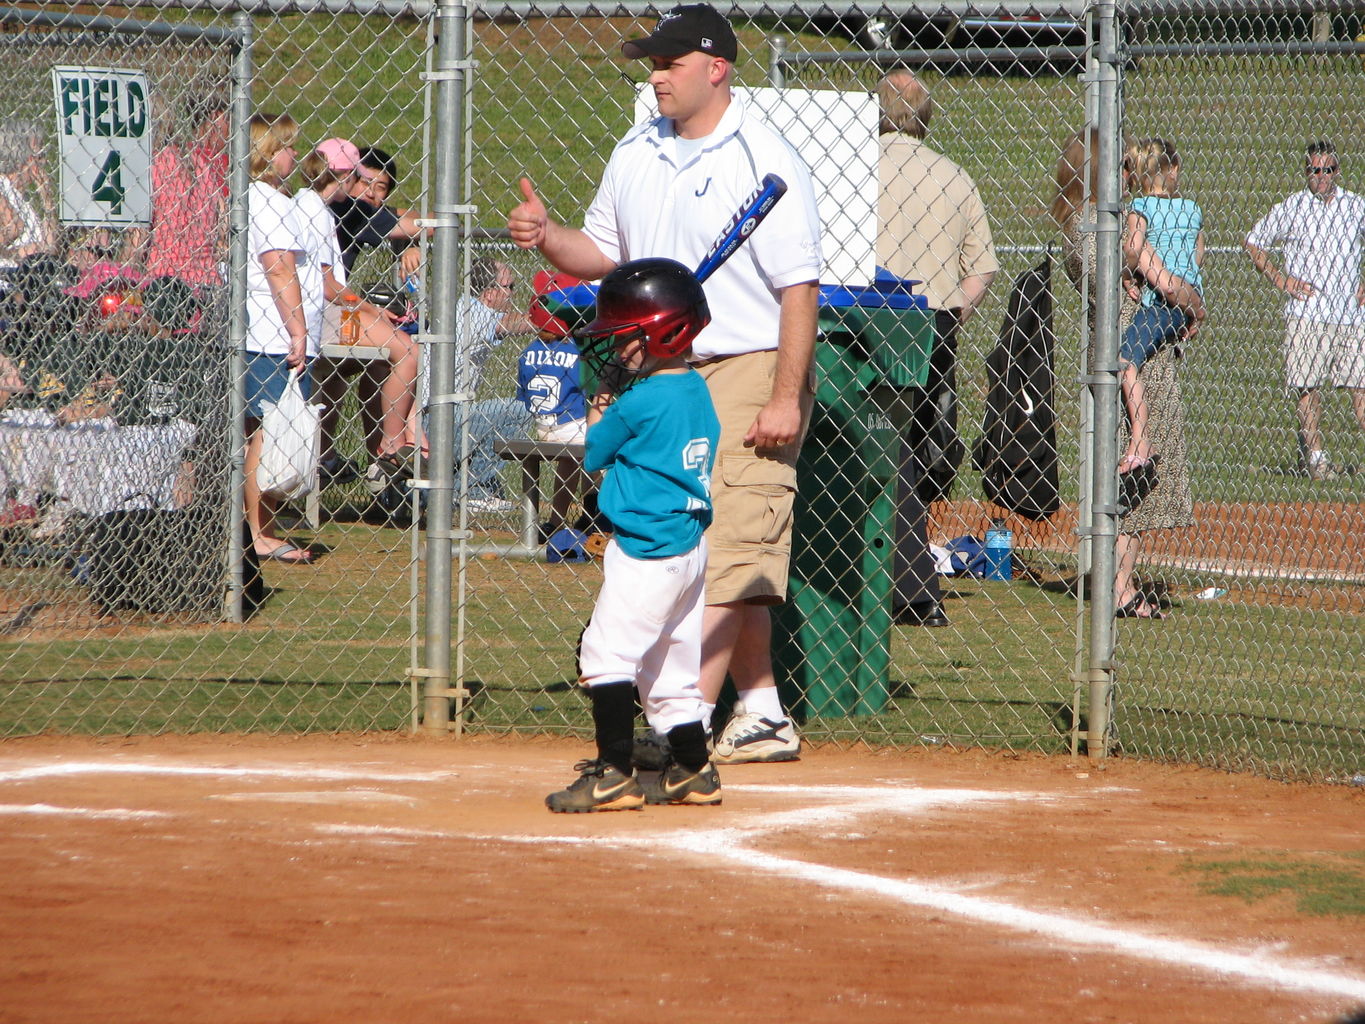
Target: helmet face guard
<point x="656" y="300"/>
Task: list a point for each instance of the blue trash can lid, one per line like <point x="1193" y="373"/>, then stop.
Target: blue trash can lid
<point x="886" y="291"/>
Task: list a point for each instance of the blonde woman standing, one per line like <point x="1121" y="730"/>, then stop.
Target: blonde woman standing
<point x="283" y="285"/>
<point x="1169" y="504"/>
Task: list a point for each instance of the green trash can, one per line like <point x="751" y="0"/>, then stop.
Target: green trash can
<point x="832" y="639"/>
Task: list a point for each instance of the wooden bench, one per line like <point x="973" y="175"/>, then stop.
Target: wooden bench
<point x="531" y="455"/>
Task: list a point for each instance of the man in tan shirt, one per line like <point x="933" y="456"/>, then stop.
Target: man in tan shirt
<point x="932" y="228"/>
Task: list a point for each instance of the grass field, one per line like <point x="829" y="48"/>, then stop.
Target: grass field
<point x="1242" y="684"/>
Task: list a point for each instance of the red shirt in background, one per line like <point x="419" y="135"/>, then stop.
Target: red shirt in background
<point x="189" y="206"/>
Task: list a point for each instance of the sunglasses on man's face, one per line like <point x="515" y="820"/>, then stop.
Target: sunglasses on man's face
<point x="1329" y="169"/>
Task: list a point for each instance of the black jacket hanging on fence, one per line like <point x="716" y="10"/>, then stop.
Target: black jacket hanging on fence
<point x="1016" y="453"/>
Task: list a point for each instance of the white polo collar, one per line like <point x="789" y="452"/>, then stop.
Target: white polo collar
<point x="664" y="138"/>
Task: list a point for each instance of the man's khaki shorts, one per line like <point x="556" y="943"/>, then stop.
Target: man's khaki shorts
<point x="752" y="490"/>
<point x="1317" y="354"/>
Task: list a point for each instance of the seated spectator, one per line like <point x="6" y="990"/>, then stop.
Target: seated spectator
<point x="69" y="380"/>
<point x="13" y="511"/>
<point x="364" y="221"/>
<point x="28" y="224"/>
<point x="328" y="171"/>
<point x="486" y="318"/>
<point x="549" y="384"/>
<point x="94" y="256"/>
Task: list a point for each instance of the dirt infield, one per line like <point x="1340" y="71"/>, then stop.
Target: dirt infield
<point x="384" y="879"/>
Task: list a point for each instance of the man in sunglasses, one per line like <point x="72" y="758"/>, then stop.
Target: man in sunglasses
<point x="1320" y="231"/>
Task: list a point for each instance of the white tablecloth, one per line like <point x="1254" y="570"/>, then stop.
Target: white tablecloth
<point x="96" y="465"/>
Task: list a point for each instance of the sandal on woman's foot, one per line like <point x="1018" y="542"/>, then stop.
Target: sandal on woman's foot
<point x="390" y="468"/>
<point x="405" y="456"/>
<point x="289" y="554"/>
<point x="1137" y="607"/>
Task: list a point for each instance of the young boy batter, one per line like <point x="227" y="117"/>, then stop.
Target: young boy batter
<point x="656" y="439"/>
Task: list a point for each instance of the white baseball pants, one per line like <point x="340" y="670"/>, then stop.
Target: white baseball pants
<point x="646" y="627"/>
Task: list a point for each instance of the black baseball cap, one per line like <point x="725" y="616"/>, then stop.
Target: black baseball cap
<point x="685" y="28"/>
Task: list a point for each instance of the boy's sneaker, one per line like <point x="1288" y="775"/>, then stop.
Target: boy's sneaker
<point x="749" y="738"/>
<point x="599" y="787"/>
<point x="677" y="785"/>
<point x="650" y="751"/>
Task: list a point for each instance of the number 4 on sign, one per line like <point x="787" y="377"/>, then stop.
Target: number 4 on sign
<point x="109" y="184"/>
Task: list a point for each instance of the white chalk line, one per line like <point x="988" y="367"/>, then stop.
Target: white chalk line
<point x="110" y="813"/>
<point x="49" y="771"/>
<point x="329" y="796"/>
<point x="1069" y="930"/>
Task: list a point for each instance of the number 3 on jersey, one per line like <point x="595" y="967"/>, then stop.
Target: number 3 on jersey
<point x="697" y="457"/>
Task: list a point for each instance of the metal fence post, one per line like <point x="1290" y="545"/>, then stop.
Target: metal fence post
<point x="449" y="77"/>
<point x="1103" y="378"/>
<point x="238" y="182"/>
<point x="777" y="51"/>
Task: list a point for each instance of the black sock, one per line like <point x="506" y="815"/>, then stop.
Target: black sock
<point x="613" y="716"/>
<point x="688" y="743"/>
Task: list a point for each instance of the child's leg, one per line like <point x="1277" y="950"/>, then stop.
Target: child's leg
<point x="1152" y="327"/>
<point x="609" y="659"/>
<point x="1135" y="402"/>
<point x="613" y="719"/>
<point x="607" y="783"/>
<point x="671" y="693"/>
<point x="688" y="745"/>
<point x="636" y="625"/>
<point x="671" y="669"/>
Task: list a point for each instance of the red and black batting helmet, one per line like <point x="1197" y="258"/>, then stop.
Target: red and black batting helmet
<point x="657" y="298"/>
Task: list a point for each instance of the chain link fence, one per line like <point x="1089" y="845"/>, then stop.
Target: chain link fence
<point x="1266" y="671"/>
<point x="1265" y="675"/>
<point x="132" y="599"/>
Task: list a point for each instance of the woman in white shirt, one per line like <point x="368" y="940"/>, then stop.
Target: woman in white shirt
<point x="283" y="286"/>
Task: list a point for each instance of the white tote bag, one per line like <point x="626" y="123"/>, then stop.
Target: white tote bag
<point x="291" y="434"/>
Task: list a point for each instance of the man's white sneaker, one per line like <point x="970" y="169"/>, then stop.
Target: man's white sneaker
<point x="749" y="738"/>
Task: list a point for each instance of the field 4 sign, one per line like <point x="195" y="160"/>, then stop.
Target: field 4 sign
<point x="104" y="126"/>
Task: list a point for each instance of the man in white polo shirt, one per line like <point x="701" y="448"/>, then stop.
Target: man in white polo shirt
<point x="670" y="187"/>
<point x="1320" y="229"/>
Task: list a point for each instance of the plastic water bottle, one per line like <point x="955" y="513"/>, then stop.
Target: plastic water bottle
<point x="350" y="318"/>
<point x="999" y="551"/>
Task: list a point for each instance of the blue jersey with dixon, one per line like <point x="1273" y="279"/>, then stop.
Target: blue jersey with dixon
<point x="657" y="443"/>
<point x="548" y="381"/>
